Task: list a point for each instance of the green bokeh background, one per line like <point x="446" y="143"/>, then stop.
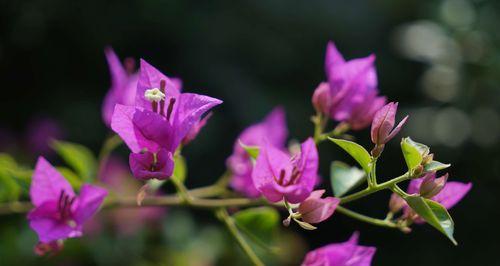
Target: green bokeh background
<point x="440" y="59"/>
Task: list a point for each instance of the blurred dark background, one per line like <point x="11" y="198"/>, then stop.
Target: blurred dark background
<point x="440" y="59"/>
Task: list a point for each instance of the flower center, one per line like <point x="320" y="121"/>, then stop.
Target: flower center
<point x="294" y="177"/>
<point x="157" y="98"/>
<point x="154" y="95"/>
<point x="64" y="207"/>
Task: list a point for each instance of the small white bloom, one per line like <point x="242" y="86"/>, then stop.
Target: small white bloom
<point x="154" y="95"/>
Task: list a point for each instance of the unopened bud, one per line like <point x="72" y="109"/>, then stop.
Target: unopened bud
<point x="396" y="203"/>
<point x="431" y="186"/>
<point x="383" y="122"/>
<point x="321" y="99"/>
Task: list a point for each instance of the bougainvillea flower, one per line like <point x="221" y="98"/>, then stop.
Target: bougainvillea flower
<point x="161" y="119"/>
<point x="352" y="95"/>
<point x="58" y="212"/>
<point x="279" y="176"/>
<point x="316" y="209"/>
<point x="123" y="84"/>
<point x="383" y="128"/>
<point x="273" y="131"/>
<point x="448" y="196"/>
<point x="341" y="254"/>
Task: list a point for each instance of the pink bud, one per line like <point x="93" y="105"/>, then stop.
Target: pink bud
<point x="396" y="203"/>
<point x="431" y="186"/>
<point x="383" y="124"/>
<point x="315" y="209"/>
<point x="322" y="100"/>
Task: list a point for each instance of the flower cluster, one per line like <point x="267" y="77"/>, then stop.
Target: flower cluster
<point x="155" y="119"/>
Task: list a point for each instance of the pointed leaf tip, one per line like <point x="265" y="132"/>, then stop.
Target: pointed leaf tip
<point x="356" y="151"/>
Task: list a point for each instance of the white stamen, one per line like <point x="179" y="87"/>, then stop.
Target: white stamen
<point x="154" y="95"/>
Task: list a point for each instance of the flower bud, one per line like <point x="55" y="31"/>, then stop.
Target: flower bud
<point x="396" y="203"/>
<point x="50" y="248"/>
<point x="383" y="124"/>
<point x="417" y="172"/>
<point x="431" y="185"/>
<point x="322" y="99"/>
<point x="427" y="158"/>
<point x="315" y="209"/>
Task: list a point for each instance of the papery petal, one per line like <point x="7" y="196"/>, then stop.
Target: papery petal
<point x="142" y="163"/>
<point x="47" y="183"/>
<point x="141" y="129"/>
<point x="452" y="193"/>
<point x="365" y="112"/>
<point x="190" y="108"/>
<point x="396" y="130"/>
<point x="88" y="202"/>
<point x="193" y="132"/>
<point x="116" y="69"/>
<point x="308" y="168"/>
<point x="333" y="58"/>
<point x="271" y="130"/>
<point x="149" y="78"/>
<point x="315" y="209"/>
<point x="346" y="254"/>
<point x="268" y="166"/>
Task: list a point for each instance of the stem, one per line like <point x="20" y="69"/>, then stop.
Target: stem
<point x="231" y="226"/>
<point x="372" y="176"/>
<point x="371" y="190"/>
<point x="182" y="190"/>
<point x="319" y="126"/>
<point x="366" y="219"/>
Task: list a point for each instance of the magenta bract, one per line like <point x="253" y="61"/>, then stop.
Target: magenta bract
<point x="316" y="209"/>
<point x="346" y="254"/>
<point x="279" y="176"/>
<point x="123" y="85"/>
<point x="273" y="131"/>
<point x="161" y="118"/>
<point x="352" y="95"/>
<point x="58" y="212"/>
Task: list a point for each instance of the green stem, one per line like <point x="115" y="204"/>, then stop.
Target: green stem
<point x="366" y="219"/>
<point x="231" y="226"/>
<point x="182" y="191"/>
<point x="108" y="146"/>
<point x="371" y="190"/>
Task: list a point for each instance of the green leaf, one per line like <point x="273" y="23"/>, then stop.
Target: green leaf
<point x="344" y="178"/>
<point x="72" y="177"/>
<point x="180" y="168"/>
<point x="14" y="180"/>
<point x="260" y="224"/>
<point x="413" y="152"/>
<point x="434" y="214"/>
<point x="356" y="151"/>
<point x="252" y="151"/>
<point x="79" y="157"/>
<point x="435" y="166"/>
